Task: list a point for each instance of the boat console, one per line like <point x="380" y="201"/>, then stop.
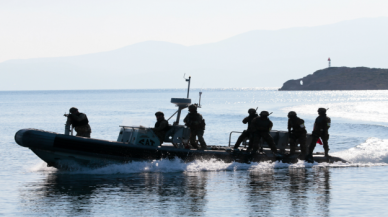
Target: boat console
<point x="138" y="135"/>
<point x="177" y="134"/>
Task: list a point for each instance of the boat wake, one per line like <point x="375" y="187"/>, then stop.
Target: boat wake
<point x="373" y="151"/>
<point x="170" y="166"/>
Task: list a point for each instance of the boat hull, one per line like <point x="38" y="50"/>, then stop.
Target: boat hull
<point x="60" y="151"/>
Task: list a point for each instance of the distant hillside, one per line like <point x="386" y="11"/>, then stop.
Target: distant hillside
<point x="341" y="78"/>
<point x="254" y="59"/>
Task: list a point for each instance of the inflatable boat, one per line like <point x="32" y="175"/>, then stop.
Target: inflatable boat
<point x="138" y="143"/>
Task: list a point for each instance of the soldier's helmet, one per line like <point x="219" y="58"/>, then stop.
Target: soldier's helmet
<point x="321" y="111"/>
<point x="251" y="111"/>
<point x="193" y="107"/>
<point x="159" y="113"/>
<point x="291" y="114"/>
<point x="73" y="110"/>
<point x="264" y="113"/>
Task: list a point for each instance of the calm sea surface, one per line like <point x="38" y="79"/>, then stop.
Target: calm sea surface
<point x="358" y="134"/>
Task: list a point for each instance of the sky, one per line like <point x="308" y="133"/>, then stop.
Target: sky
<point x="51" y="28"/>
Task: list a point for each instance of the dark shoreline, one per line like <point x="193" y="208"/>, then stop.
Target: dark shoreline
<point x="341" y="78"/>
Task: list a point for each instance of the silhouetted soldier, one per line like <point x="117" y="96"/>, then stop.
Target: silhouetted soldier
<point x="297" y="134"/>
<point x="161" y="126"/>
<point x="79" y="121"/>
<point x="246" y="133"/>
<point x="196" y="124"/>
<point x="321" y="129"/>
<point x="260" y="127"/>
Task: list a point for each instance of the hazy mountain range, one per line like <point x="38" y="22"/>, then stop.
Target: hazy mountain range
<point x="253" y="59"/>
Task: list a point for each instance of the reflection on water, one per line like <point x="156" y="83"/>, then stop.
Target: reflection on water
<point x="273" y="192"/>
<point x="289" y="192"/>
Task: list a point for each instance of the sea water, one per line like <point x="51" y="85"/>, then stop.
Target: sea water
<point x="358" y="134"/>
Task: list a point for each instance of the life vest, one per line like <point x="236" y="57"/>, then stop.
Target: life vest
<point x="261" y="124"/>
<point x="157" y="124"/>
<point x="322" y="123"/>
<point x="249" y="119"/>
<point x="195" y="117"/>
<point x="83" y="122"/>
<point x="297" y="125"/>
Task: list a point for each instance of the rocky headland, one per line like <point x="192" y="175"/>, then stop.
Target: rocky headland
<point x="341" y="78"/>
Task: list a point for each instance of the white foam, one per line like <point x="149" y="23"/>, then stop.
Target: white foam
<point x="372" y="152"/>
<point x="177" y="165"/>
<point x="41" y="167"/>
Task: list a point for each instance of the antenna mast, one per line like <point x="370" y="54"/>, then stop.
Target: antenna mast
<point x="188" y="88"/>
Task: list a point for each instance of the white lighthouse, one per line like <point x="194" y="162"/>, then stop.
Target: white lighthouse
<point x="329" y="62"/>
